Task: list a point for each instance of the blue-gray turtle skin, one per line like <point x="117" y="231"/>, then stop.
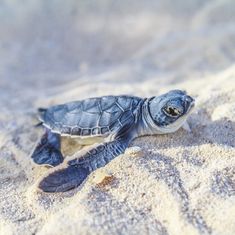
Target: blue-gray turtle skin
<point x="118" y="119"/>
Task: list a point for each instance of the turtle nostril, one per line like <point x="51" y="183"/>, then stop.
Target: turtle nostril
<point x="189" y="99"/>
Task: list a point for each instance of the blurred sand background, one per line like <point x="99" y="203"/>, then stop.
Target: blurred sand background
<point x="56" y="51"/>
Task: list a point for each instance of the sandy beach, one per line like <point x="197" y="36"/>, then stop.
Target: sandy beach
<point x="51" y="52"/>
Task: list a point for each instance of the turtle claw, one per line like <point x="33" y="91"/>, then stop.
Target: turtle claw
<point x="63" y="179"/>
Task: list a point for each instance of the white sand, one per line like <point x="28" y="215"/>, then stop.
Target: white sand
<point x="183" y="183"/>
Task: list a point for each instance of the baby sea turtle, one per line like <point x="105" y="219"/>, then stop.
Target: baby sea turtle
<point x="115" y="119"/>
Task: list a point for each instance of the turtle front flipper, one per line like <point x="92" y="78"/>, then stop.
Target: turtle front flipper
<point x="72" y="173"/>
<point x="47" y="151"/>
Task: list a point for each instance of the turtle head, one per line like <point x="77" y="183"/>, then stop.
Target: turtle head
<point x="169" y="111"/>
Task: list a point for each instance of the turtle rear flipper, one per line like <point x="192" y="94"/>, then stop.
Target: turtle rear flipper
<point x="47" y="151"/>
<point x="69" y="176"/>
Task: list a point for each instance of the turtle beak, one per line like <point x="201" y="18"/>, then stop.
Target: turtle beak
<point x="189" y="103"/>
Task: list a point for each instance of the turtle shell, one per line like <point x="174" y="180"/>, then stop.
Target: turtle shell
<point x="91" y="117"/>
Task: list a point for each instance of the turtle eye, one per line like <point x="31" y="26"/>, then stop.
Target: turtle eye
<point x="172" y="111"/>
